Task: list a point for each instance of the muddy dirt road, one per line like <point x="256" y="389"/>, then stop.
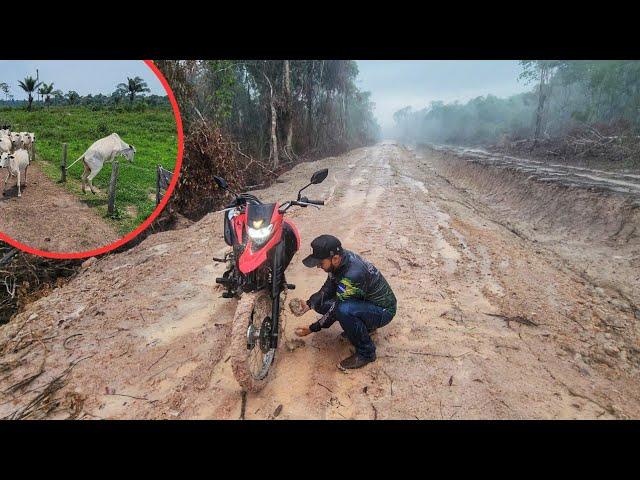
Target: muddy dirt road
<point x="491" y="322"/>
<point x="49" y="218"/>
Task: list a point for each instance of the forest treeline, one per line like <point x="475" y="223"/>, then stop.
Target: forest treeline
<point x="564" y="96"/>
<point x="128" y="95"/>
<point x="249" y="120"/>
<point x="276" y="110"/>
<point x="93" y="102"/>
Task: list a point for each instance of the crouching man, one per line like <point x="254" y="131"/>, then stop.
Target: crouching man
<point x="355" y="294"/>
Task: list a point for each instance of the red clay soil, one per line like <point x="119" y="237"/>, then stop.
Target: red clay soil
<point x="497" y="318"/>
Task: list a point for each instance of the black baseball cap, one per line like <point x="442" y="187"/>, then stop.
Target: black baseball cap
<point x="324" y="246"/>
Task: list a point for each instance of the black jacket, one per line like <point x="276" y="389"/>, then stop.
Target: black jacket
<point x="355" y="278"/>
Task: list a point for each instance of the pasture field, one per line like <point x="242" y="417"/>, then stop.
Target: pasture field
<point x="152" y="131"/>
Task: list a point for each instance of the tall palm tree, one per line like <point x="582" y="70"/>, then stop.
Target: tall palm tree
<point x="46" y="90"/>
<point x="133" y="86"/>
<point x="29" y="85"/>
<point x="41" y="91"/>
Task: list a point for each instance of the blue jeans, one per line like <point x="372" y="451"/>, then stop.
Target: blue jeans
<point x="357" y="318"/>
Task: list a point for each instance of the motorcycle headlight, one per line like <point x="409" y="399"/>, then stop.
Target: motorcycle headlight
<point x="260" y="235"/>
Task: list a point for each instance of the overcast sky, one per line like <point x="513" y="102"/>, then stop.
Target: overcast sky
<point x="396" y="84"/>
<point x="83" y="76"/>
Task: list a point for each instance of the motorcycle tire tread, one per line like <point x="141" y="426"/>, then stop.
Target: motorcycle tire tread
<point x="238" y="348"/>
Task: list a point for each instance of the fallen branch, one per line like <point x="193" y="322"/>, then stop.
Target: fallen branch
<point x="64" y="344"/>
<point x="331" y="391"/>
<point x="26" y="381"/>
<point x="163" y="355"/>
<point x="439" y="354"/>
<point x="44" y="399"/>
<point x="517" y="319"/>
<point x="180" y="362"/>
<point x="130" y="396"/>
<point x="7" y="258"/>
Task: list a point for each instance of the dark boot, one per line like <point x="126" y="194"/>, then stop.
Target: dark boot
<point x="354" y="361"/>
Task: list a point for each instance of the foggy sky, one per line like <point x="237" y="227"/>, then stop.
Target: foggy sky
<point x="83" y="76"/>
<point x="395" y="84"/>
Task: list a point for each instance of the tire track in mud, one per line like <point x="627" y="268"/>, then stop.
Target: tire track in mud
<point x="154" y="324"/>
<point x="553" y="290"/>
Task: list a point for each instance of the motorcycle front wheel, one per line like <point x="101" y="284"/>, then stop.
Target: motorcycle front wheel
<point x="251" y="353"/>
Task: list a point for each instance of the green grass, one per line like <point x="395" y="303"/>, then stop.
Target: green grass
<point x="153" y="132"/>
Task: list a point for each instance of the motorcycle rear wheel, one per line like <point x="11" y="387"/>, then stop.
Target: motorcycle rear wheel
<point x="251" y="356"/>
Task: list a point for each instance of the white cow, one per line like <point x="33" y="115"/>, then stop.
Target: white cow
<point x="101" y="152"/>
<point x="28" y="139"/>
<point x="15" y="162"/>
<point x="16" y="140"/>
<point x="5" y="144"/>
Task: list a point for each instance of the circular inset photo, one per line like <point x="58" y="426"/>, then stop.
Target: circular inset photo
<point x="90" y="152"/>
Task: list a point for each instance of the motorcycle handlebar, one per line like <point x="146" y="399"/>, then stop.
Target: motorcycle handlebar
<point x="313" y="202"/>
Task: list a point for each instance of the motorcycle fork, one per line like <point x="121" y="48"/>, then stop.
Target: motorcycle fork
<point x="276" y="288"/>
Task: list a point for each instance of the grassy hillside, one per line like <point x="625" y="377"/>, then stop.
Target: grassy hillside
<point x="153" y="132"/>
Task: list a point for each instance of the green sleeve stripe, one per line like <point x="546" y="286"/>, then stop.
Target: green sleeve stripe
<point x="348" y="289"/>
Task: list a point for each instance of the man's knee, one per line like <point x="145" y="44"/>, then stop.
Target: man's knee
<point x="344" y="310"/>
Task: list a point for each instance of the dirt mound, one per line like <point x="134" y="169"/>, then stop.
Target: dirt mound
<point x="556" y="202"/>
<point x="28" y="277"/>
<point x="592" y="217"/>
<point x="609" y="146"/>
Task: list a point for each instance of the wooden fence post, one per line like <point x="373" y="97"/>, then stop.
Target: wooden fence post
<point x="163" y="180"/>
<point x="63" y="165"/>
<point x="158" y="173"/>
<point x="112" y="188"/>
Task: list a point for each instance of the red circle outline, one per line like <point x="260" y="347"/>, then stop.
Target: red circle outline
<point x="131" y="235"/>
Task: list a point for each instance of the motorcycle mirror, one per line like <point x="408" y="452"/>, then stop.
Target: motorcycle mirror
<point x="319" y="176"/>
<point x="221" y="182"/>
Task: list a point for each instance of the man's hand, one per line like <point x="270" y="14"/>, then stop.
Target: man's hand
<point x="302" y="331"/>
<point x="298" y="307"/>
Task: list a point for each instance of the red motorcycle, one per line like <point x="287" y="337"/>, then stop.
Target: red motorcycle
<point x="263" y="243"/>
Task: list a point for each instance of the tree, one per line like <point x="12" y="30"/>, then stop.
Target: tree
<point x="288" y="110"/>
<point x="133" y="86"/>
<point x="117" y="96"/>
<point x="29" y="85"/>
<point x="402" y="119"/>
<point x="46" y="90"/>
<point x="4" y="87"/>
<point x="58" y="96"/>
<point x="541" y="71"/>
<point x="72" y="97"/>
<point x="275" y="108"/>
<point x="274" y="125"/>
